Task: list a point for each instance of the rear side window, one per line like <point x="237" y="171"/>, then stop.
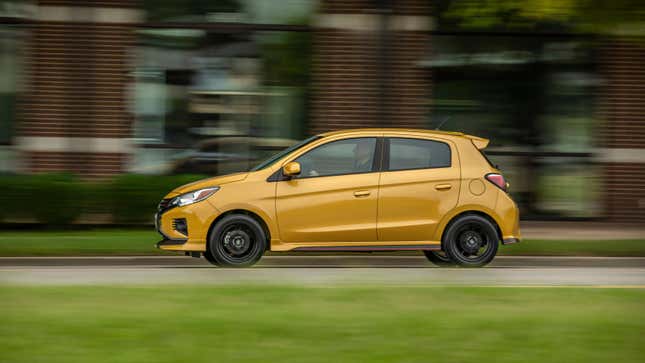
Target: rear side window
<point x="407" y="154"/>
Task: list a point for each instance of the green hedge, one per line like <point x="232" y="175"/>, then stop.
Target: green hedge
<point x="61" y="199"/>
<point x="134" y="198"/>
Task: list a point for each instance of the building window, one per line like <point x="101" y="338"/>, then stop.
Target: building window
<point x="223" y="91"/>
<point x="230" y="11"/>
<point x="10" y="42"/>
<point x="534" y="98"/>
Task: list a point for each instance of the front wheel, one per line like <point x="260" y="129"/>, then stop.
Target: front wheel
<point x="237" y="241"/>
<point x="439" y="258"/>
<point x="471" y="241"/>
<point x="209" y="257"/>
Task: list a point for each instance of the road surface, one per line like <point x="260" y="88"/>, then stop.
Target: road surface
<point x="324" y="271"/>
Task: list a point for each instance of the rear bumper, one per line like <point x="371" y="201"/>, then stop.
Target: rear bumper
<point x="508" y="219"/>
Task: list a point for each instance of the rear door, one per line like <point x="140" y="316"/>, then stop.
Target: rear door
<point x="418" y="185"/>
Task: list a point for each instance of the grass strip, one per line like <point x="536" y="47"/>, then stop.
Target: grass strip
<point x="317" y="324"/>
<point x="141" y="242"/>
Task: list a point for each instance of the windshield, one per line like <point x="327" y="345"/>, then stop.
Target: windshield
<point x="270" y="161"/>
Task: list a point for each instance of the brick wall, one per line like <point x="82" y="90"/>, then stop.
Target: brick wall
<point x="624" y="192"/>
<point x="76" y="86"/>
<point x="622" y="135"/>
<point x="364" y="77"/>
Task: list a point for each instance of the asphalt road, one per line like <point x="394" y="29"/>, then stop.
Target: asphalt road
<point x="325" y="271"/>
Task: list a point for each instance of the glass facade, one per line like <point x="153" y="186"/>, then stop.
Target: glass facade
<point x="534" y="98"/>
<point x="10" y="70"/>
<point x="230" y="11"/>
<point x="220" y="85"/>
<point x="10" y="41"/>
<point x="222" y="88"/>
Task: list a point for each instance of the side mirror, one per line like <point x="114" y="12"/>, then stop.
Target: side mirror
<point x="291" y="169"/>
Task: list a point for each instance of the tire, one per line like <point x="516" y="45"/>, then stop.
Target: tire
<point x="209" y="257"/>
<point x="439" y="258"/>
<point x="236" y="241"/>
<point x="471" y="241"/>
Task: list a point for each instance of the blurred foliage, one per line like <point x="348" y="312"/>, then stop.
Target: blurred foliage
<point x="587" y="16"/>
<point x="134" y="198"/>
<point x="54" y="198"/>
<point x="50" y="199"/>
<point x="57" y="200"/>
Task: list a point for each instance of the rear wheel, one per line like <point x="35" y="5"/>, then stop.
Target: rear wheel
<point x="439" y="258"/>
<point x="237" y="241"/>
<point x="471" y="241"/>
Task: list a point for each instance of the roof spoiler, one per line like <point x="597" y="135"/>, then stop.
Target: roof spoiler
<point x="479" y="142"/>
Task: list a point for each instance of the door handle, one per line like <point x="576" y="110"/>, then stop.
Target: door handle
<point x="361" y="193"/>
<point x="443" y="186"/>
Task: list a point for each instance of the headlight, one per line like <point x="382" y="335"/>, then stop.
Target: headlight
<point x="193" y="197"/>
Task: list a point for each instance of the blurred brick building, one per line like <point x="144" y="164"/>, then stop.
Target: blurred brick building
<point x="373" y="63"/>
<point x="74" y="113"/>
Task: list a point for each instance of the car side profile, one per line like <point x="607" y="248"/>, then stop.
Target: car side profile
<point x="350" y="190"/>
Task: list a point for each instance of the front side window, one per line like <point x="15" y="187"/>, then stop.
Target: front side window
<point x="417" y="154"/>
<point x="349" y="156"/>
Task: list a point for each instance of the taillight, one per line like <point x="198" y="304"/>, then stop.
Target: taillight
<point x="497" y="179"/>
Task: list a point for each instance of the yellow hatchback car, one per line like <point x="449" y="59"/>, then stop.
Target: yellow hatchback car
<point x="350" y="190"/>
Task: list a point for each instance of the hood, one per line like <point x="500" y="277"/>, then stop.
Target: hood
<point x="205" y="183"/>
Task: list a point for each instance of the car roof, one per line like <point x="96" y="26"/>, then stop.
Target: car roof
<point x="391" y="129"/>
<point x="479" y="142"/>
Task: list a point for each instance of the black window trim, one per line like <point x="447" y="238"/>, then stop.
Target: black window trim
<point x="386" y="155"/>
<point x="377" y="162"/>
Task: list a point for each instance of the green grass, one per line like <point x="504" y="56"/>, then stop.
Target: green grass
<point x="141" y="242"/>
<point x="628" y="247"/>
<point x="79" y="243"/>
<point x="310" y="324"/>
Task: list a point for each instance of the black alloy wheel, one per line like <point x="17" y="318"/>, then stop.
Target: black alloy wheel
<point x="439" y="258"/>
<point x="236" y="241"/>
<point x="471" y="241"/>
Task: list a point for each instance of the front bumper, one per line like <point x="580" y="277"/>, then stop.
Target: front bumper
<point x="511" y="240"/>
<point x="170" y="242"/>
<point x="198" y="217"/>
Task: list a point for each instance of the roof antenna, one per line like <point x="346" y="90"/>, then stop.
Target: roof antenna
<point x="442" y="122"/>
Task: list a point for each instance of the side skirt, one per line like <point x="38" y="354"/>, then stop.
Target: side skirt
<point x="370" y="248"/>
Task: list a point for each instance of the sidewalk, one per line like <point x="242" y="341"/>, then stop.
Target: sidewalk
<point x="580" y="231"/>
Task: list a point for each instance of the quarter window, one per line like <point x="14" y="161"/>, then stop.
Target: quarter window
<point x="417" y="154"/>
<point x="348" y="156"/>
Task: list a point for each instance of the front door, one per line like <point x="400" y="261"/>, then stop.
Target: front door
<point x="419" y="184"/>
<point x="334" y="198"/>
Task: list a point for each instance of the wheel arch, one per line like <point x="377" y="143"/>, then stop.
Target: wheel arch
<point x="255" y="216"/>
<point x="471" y="212"/>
